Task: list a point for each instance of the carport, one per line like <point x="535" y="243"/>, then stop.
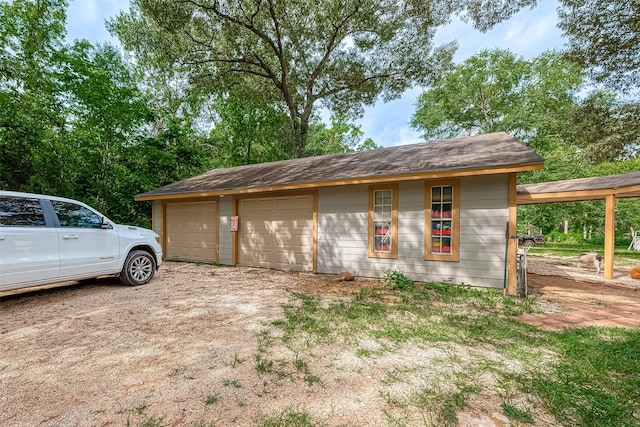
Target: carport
<point x="607" y="188"/>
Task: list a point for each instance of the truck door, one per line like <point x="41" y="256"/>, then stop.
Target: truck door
<point x="86" y="249"/>
<point x="28" y="246"/>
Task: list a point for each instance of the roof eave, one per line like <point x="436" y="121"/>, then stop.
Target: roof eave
<point x="449" y="173"/>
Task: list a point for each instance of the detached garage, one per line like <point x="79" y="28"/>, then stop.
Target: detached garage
<point x="191" y="231"/>
<point x="277" y="232"/>
<point x="436" y="210"/>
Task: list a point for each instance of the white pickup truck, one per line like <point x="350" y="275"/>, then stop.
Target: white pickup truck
<point x="47" y="239"/>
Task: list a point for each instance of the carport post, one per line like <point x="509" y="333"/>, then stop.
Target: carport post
<point x="609" y="235"/>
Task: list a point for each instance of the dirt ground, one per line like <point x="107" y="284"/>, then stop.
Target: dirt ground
<point x="582" y="297"/>
<point x="182" y="349"/>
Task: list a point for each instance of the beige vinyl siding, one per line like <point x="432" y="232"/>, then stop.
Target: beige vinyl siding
<point x="342" y="229"/>
<point x="156" y="217"/>
<point x="342" y="217"/>
<point x="225" y="244"/>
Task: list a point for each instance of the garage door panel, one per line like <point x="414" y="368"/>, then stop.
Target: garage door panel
<point x="277" y="232"/>
<point x="265" y="204"/>
<point x="192" y="231"/>
<point x="303" y="203"/>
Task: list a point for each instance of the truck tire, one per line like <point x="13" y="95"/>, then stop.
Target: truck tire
<point x="528" y="243"/>
<point x="138" y="268"/>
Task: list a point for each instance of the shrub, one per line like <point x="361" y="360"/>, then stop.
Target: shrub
<point x="396" y="279"/>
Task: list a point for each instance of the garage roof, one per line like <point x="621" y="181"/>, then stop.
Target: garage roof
<point x="482" y="154"/>
<point x="573" y="190"/>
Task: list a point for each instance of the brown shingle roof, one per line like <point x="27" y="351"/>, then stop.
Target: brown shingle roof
<point x="488" y="151"/>
<point x="623" y="185"/>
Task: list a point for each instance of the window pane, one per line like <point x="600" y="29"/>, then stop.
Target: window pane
<point x="382" y="216"/>
<point x="72" y="215"/>
<point x="442" y="219"/>
<point x="21" y="212"/>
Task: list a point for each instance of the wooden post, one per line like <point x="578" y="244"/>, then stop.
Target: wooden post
<point x="609" y="235"/>
<point x="512" y="244"/>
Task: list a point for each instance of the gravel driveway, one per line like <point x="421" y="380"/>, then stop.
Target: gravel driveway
<point x="178" y="350"/>
<point x="182" y="350"/>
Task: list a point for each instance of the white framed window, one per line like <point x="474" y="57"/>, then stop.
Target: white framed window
<point x="383" y="221"/>
<point x="442" y="221"/>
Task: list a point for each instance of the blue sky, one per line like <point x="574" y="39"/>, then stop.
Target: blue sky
<point x="529" y="33"/>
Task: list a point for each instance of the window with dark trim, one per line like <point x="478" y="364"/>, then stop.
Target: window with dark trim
<point x="383" y="221"/>
<point x="21" y="212"/>
<point x="76" y="216"/>
<point x="442" y="221"/>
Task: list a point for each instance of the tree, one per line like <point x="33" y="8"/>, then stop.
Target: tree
<point x="495" y="90"/>
<point x="341" y="54"/>
<point x="340" y="137"/>
<point x="605" y="129"/>
<point x="106" y="113"/>
<point x="31" y="113"/>
<point x="604" y="37"/>
<point x="247" y="132"/>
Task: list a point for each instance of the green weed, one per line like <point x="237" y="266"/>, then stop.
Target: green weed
<point x="211" y="399"/>
<point x="290" y="418"/>
<point x="516" y="414"/>
<point x="232" y="383"/>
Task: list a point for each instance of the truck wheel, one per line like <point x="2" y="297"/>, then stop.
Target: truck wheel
<point x="138" y="268"/>
<point x="528" y="243"/>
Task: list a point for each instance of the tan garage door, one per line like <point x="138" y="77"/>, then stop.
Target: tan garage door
<point x="277" y="232"/>
<point x="192" y="231"/>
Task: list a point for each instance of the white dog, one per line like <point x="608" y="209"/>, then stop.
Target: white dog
<point x="590" y="258"/>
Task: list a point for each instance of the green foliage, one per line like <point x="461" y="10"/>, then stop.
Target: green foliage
<point x="603" y="37"/>
<point x="74" y="122"/>
<point x="597" y="379"/>
<point x="495" y="90"/>
<point x="211" y="399"/>
<point x="604" y="128"/>
<point x="248" y="132"/>
<point x="32" y="115"/>
<point x="397" y="280"/>
<point x="598" y="240"/>
<point x="341" y="137"/>
<point x="622" y="254"/>
<point x="289" y="418"/>
<point x="569" y="238"/>
<point x="301" y="54"/>
<point x="516" y="414"/>
<point x="580" y="376"/>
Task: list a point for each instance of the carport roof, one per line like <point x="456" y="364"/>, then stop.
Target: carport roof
<point x="621" y="186"/>
<point x="476" y="155"/>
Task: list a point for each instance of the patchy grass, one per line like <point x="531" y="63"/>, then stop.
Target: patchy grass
<point x="290" y="418"/>
<point x="580" y="377"/>
<point x="211" y="399"/>
<point x="622" y="254"/>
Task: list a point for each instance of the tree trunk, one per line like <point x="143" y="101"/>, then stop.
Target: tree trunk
<point x="566" y="226"/>
<point x="301" y="129"/>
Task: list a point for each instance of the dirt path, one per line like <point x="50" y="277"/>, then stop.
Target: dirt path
<point x="581" y="298"/>
<point x="182" y="350"/>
